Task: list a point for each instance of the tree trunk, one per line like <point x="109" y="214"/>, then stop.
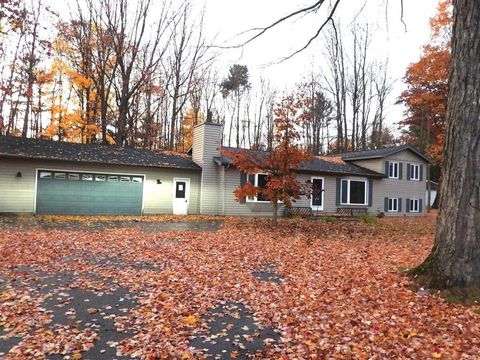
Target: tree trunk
<point x="455" y="258"/>
<point x="275" y="213"/>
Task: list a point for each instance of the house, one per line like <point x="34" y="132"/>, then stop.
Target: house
<point x="48" y="177"/>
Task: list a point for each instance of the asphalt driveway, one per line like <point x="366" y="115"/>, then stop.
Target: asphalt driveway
<point x="76" y="304"/>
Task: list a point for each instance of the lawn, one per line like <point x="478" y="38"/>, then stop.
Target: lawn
<point x="307" y="289"/>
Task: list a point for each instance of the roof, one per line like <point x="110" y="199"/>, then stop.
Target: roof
<point x="318" y="164"/>
<point x="18" y="147"/>
<point x="381" y="153"/>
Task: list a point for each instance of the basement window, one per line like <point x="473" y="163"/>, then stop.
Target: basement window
<point x="414" y="205"/>
<point x="393" y="205"/>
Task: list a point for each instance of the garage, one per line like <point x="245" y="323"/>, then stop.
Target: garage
<point x="88" y="193"/>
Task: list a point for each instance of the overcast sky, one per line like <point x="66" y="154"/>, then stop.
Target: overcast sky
<point x="225" y="19"/>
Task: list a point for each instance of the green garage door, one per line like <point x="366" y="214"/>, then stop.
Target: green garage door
<point x="78" y="193"/>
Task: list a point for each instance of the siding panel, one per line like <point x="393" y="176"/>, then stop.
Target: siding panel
<point x="17" y="195"/>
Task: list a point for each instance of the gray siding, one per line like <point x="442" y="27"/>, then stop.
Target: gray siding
<point x="206" y="146"/>
<point x="17" y="195"/>
<point x="233" y="207"/>
<point x="396" y="188"/>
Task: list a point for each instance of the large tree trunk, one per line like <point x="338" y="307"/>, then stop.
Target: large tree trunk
<point x="455" y="258"/>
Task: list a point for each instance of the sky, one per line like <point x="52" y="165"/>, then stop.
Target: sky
<point x="227" y="23"/>
<point x="401" y="43"/>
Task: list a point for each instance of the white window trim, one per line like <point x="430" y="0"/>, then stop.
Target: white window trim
<point x="316" y="207"/>
<point x="255" y="199"/>
<point x="414" y="201"/>
<point x="412" y="172"/>
<point x="348" y="192"/>
<point x="397" y="202"/>
<point x="394" y="165"/>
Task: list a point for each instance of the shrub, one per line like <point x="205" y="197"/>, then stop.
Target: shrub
<point x="368" y="219"/>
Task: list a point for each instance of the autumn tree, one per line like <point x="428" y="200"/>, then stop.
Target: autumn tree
<point x="426" y="95"/>
<point x="279" y="165"/>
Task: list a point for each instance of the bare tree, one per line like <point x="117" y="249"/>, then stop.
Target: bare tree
<point x="137" y="51"/>
<point x="188" y="54"/>
<point x="383" y="88"/>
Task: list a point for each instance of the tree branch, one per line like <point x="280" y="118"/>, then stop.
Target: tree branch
<point x="329" y="18"/>
<point x="263" y="30"/>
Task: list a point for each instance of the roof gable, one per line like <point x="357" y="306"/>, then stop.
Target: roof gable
<point x="381" y="153"/>
<point x="108" y="154"/>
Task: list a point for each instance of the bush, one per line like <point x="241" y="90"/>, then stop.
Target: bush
<point x="368" y="219"/>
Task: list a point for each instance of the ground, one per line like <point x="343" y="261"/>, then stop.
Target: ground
<point x="167" y="288"/>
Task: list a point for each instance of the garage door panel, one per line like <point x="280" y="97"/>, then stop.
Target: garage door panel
<point x="89" y="197"/>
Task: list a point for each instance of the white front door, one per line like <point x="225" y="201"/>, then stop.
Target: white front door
<point x="316" y="201"/>
<point x="181" y="195"/>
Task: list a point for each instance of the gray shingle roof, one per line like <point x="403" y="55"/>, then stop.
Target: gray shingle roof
<point x="93" y="153"/>
<point x="380" y="153"/>
<point x="318" y="164"/>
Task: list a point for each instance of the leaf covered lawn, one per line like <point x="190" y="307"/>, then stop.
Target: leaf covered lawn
<point x="308" y="289"/>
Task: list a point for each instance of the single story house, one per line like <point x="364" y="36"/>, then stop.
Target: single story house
<point x="51" y="177"/>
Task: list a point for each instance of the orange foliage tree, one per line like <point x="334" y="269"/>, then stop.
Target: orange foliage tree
<point x="280" y="164"/>
<point x="427" y="81"/>
<point x="66" y="86"/>
<point x="190" y="119"/>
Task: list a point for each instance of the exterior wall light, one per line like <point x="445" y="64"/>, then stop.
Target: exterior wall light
<point x="19" y="175"/>
<point x="159" y="181"/>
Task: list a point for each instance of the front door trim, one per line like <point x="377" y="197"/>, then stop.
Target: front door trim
<point x="316" y="207"/>
<point x="187" y="194"/>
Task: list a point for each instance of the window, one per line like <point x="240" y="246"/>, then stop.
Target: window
<point x="45" y="175"/>
<point x="393" y="170"/>
<point x="414" y="172"/>
<point x="73" y="177"/>
<point x="353" y="192"/>
<point x="393" y="204"/>
<point x="414" y="205"/>
<point x="137" y="179"/>
<point x="87" y="177"/>
<point x="113" y="178"/>
<point x="258" y="180"/>
<point x="100" y="177"/>
<point x="60" y="176"/>
<point x="124" y="178"/>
